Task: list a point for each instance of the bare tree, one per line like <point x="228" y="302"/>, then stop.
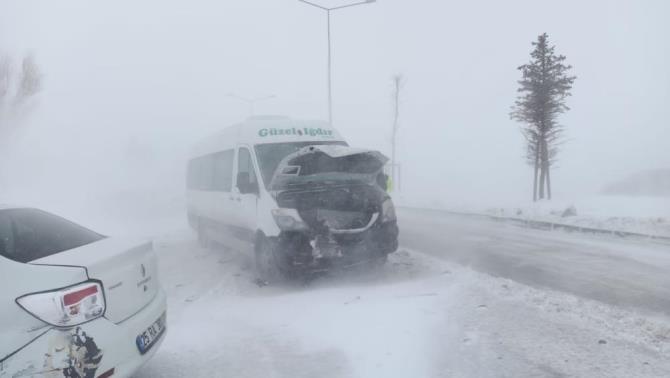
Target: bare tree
<point x="398" y="83"/>
<point x="15" y="96"/>
<point x="30" y="82"/>
<point x="5" y="67"/>
<point x="5" y="71"/>
<point x="5" y="83"/>
<point x="17" y="90"/>
<point x="544" y="87"/>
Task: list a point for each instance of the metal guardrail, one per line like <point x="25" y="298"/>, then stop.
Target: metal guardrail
<point x="547" y="225"/>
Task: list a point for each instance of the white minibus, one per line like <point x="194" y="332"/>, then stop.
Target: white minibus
<point x="294" y="191"/>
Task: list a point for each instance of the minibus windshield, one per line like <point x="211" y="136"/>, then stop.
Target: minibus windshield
<point x="269" y="155"/>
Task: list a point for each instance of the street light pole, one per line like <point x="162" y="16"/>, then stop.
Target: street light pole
<point x="330" y="75"/>
<point x="330" y="60"/>
<point x="251" y="101"/>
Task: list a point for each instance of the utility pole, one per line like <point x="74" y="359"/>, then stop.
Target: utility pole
<point x="330" y="75"/>
<point x="397" y="86"/>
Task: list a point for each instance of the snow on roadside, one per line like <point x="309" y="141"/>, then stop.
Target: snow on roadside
<point x="645" y="215"/>
<point x="415" y="317"/>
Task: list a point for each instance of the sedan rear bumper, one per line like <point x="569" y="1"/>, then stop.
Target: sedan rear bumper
<point x="92" y="349"/>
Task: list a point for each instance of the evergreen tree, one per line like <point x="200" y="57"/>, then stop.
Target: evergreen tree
<point x="544" y="86"/>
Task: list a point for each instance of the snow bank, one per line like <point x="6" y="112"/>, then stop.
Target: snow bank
<point x="644" y="215"/>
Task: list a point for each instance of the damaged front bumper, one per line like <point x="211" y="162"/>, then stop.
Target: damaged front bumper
<point x="333" y="208"/>
<point x="303" y="252"/>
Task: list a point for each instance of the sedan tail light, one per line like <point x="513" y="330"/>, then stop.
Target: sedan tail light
<point x="66" y="307"/>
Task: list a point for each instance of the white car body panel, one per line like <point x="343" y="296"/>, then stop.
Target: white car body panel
<point x="31" y="347"/>
<point x="128" y="270"/>
<point x="48" y="355"/>
<point x="17" y="327"/>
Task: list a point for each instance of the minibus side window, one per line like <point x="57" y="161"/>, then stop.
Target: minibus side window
<point x="223" y="171"/>
<point x="245" y="166"/>
<point x="201" y="173"/>
<point x="213" y="172"/>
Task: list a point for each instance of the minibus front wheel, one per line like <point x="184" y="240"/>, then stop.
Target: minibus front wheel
<point x="266" y="256"/>
<point x="204" y="241"/>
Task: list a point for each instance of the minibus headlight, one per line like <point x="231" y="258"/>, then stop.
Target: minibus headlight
<point x="388" y="211"/>
<point x="288" y="220"/>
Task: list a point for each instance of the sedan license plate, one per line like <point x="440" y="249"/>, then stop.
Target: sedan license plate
<point x="148" y="338"/>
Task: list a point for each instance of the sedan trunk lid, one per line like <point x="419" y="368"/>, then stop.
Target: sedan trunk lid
<point x="127" y="269"/>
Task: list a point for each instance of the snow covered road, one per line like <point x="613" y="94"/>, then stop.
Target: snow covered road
<point x="419" y="316"/>
<point x="619" y="271"/>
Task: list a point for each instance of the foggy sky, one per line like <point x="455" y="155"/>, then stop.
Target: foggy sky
<point x="130" y="85"/>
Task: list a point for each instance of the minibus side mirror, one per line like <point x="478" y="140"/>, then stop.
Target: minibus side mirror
<point x="383" y="180"/>
<point x="245" y="185"/>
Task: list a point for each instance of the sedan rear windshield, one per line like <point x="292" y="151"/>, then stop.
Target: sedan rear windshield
<point x="30" y="234"/>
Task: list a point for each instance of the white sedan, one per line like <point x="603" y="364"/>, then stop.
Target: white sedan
<point x="74" y="303"/>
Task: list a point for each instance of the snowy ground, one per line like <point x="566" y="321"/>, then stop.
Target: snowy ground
<point x="416" y="317"/>
<point x="639" y="214"/>
<point x="425" y="314"/>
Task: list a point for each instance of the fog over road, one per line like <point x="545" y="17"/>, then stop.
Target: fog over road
<point x="617" y="271"/>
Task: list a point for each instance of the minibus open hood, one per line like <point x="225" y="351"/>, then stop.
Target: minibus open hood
<point x="322" y="165"/>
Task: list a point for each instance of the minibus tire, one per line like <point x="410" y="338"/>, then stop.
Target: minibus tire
<point x="203" y="240"/>
<point x="266" y="260"/>
<point x="378" y="262"/>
